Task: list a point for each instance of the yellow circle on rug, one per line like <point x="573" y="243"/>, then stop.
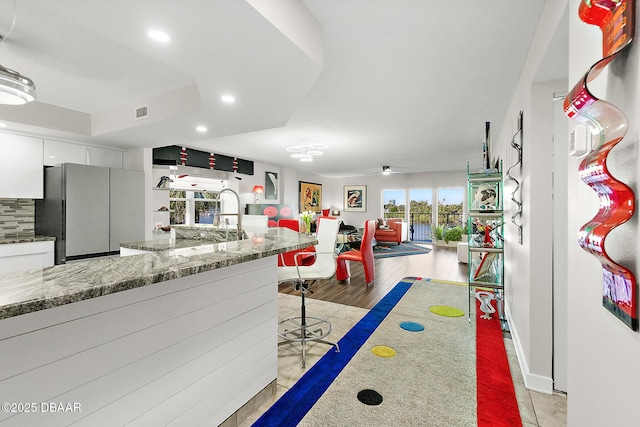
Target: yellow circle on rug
<point x="446" y="310"/>
<point x="383" y="351"/>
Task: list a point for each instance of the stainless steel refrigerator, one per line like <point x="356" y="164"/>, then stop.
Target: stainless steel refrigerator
<point x="90" y="209"/>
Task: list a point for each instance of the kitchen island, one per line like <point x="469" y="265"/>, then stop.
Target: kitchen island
<point x="165" y="338"/>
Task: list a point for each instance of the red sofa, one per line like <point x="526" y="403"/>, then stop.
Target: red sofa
<point x="391" y="230"/>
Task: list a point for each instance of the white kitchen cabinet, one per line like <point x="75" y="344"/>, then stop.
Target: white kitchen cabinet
<point x="21" y="167"/>
<point x="57" y="152"/>
<point x="104" y="157"/>
<point x="26" y="256"/>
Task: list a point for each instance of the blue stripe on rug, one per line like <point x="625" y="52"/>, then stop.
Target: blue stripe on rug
<point x="295" y="403"/>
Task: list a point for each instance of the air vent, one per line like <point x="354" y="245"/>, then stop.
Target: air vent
<point x="142" y="112"/>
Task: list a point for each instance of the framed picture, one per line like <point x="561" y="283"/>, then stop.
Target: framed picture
<point x="271" y="186"/>
<point x="485" y="265"/>
<point x="310" y="196"/>
<point x="355" y="198"/>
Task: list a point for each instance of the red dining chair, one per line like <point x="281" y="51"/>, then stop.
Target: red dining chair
<point x="287" y="259"/>
<point x="364" y="255"/>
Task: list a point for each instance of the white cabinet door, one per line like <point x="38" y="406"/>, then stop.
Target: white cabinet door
<point x="104" y="157"/>
<point x="21" y="167"/>
<point x="25" y="256"/>
<point x="57" y="152"/>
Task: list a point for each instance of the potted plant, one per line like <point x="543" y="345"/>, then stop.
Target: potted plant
<point x="453" y="234"/>
<point x="437" y="232"/>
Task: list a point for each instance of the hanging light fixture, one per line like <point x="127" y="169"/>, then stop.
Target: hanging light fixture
<point x="306" y="152"/>
<point x="15" y="89"/>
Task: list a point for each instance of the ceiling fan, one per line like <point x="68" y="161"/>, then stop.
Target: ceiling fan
<point x="386" y="170"/>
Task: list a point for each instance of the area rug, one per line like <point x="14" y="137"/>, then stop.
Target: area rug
<point x="426" y="375"/>
<point x="383" y="250"/>
<point x="298" y="400"/>
<point x="496" y="394"/>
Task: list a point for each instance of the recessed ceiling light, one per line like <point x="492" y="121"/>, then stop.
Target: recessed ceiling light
<point x="201" y="129"/>
<point x="159" y="36"/>
<point x="228" y="99"/>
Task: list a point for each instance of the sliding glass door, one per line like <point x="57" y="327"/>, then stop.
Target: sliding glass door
<point x="450" y="207"/>
<point x="420" y="214"/>
<point x="426" y="207"/>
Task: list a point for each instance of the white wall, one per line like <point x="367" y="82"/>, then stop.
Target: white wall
<point x="528" y="267"/>
<point x="604" y="378"/>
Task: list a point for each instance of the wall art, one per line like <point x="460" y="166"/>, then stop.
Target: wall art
<point x="355" y="198"/>
<point x="608" y="126"/>
<point x="310" y="196"/>
<point x="516" y="198"/>
<point x="273" y="211"/>
<point x="271" y="186"/>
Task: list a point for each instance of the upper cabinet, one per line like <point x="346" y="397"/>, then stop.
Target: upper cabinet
<point x="104" y="157"/>
<point x="21" y="165"/>
<point x="174" y="155"/>
<point x="57" y="152"/>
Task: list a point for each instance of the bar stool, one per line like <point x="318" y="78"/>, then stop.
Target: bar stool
<point x="303" y="328"/>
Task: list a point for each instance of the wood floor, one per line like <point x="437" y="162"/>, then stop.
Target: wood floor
<point x="440" y="263"/>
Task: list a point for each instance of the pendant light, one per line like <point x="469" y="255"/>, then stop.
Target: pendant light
<point x="15" y="89"/>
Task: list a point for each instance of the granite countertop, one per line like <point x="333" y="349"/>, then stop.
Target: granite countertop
<point x="10" y="240"/>
<point x="33" y="290"/>
<point x="167" y="244"/>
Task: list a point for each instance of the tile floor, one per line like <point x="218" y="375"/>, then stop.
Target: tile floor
<point x="536" y="409"/>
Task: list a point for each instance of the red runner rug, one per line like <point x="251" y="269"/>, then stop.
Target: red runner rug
<point x="497" y="403"/>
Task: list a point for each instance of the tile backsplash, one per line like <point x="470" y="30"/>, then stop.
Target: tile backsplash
<point x="17" y="218"/>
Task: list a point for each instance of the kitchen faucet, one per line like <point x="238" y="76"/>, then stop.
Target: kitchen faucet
<point x="239" y="235"/>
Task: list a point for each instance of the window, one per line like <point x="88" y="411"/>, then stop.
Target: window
<point x="178" y="206"/>
<point x="450" y="207"/>
<point x="426" y="208"/>
<point x="394" y="203"/>
<point x="193" y="207"/>
<point x="206" y="206"/>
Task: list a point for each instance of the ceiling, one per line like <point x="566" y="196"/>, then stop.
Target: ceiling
<point x="404" y="83"/>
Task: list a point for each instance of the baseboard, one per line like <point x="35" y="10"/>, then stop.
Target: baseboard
<point x="531" y="381"/>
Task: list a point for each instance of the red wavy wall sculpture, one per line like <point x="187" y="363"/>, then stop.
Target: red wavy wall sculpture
<point x="617" y="202"/>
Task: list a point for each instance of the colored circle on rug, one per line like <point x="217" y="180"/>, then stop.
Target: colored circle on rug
<point x="383" y="351"/>
<point x="412" y="326"/>
<point x="370" y="397"/>
<point x="446" y="310"/>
